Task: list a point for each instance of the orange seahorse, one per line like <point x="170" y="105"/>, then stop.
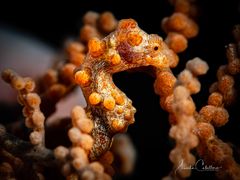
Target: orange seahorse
<point x="109" y="108"/>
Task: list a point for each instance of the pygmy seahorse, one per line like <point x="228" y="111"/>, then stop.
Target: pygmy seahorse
<point x="109" y="108"/>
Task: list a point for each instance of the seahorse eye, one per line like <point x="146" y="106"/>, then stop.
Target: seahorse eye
<point x="156" y="48"/>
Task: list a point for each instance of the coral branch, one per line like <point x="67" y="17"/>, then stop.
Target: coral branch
<point x="26" y="150"/>
<point x="223" y="94"/>
<point x="183" y="111"/>
<point x="31" y="102"/>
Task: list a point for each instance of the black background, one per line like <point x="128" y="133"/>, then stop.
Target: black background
<point x="52" y="23"/>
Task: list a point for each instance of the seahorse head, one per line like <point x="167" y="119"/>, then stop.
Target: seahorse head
<point x="137" y="47"/>
<point x="129" y="46"/>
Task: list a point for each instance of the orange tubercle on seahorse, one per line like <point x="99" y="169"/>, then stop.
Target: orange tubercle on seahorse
<point x="134" y="39"/>
<point x="109" y="103"/>
<point x="82" y="77"/>
<point x="96" y="47"/>
<point x="95" y="98"/>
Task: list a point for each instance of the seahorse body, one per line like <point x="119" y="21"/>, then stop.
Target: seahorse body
<point x="109" y="108"/>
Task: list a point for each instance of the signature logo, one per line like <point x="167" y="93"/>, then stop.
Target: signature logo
<point x="198" y="166"/>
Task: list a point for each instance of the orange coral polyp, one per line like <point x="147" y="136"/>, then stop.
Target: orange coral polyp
<point x="33" y="100"/>
<point x="164" y="83"/>
<point x="204" y="130"/>
<point x="107" y="22"/>
<point x="215" y="99"/>
<point x="177" y="42"/>
<point x="18" y="83"/>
